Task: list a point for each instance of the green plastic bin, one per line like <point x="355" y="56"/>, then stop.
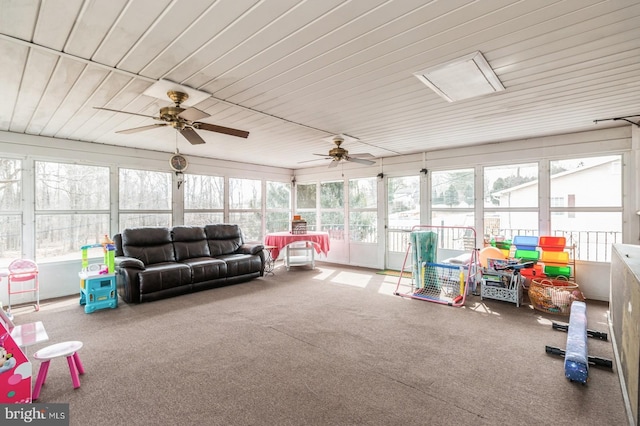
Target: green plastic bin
<point x="527" y="255"/>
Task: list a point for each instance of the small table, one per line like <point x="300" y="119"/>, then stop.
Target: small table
<point x="313" y="240"/>
<point x="63" y="349"/>
<point x="29" y="334"/>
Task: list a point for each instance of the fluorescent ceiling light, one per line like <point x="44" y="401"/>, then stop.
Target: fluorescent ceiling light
<point x="160" y="88"/>
<point x="462" y="78"/>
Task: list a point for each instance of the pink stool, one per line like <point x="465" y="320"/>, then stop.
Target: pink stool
<point x="67" y="349"/>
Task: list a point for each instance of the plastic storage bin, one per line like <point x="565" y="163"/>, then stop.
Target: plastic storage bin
<point x="560" y="258"/>
<point x="557" y="271"/>
<point x="527" y="255"/>
<point x="502" y="245"/>
<point x="552" y="243"/>
<point x="525" y="242"/>
<point x="536" y="272"/>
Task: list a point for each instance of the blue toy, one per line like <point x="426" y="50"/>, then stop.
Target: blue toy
<point x="576" y="363"/>
<point x="576" y="358"/>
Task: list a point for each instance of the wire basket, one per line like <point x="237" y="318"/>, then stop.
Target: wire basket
<point x="554" y="295"/>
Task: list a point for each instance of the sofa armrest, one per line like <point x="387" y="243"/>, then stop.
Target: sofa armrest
<point x="129" y="262"/>
<point x="250" y="248"/>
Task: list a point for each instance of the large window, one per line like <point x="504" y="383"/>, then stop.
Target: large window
<point x="403" y="209"/>
<point x="278" y="206"/>
<point x="71" y="208"/>
<point x="363" y="210"/>
<point x="55" y="208"/>
<point x="10" y="210"/>
<point x="306" y="199"/>
<point x="587" y="204"/>
<point x="510" y="200"/>
<point x="403" y="202"/>
<point x="452" y="206"/>
<point x="332" y="209"/>
<point x="203" y="199"/>
<point x="145" y="198"/>
<point x="245" y="207"/>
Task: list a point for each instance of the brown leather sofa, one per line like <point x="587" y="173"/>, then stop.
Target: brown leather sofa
<point x="155" y="262"/>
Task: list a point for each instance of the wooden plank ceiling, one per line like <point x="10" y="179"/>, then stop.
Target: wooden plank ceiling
<point x="294" y="72"/>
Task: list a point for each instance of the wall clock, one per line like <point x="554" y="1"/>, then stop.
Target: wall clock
<point x="178" y="163"/>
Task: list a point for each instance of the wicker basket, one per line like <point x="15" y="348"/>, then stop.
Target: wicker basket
<point x="554" y="296"/>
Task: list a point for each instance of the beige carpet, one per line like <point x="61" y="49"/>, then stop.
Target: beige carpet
<point x="330" y="346"/>
<point x="393" y="273"/>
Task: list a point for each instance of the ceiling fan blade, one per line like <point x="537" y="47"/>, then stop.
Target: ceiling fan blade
<point x="316" y="159"/>
<point x="334" y="163"/>
<point x="221" y="129"/>
<point x="328" y="157"/>
<point x="360" y="160"/>
<point x="191" y="136"/>
<point x="140" y="129"/>
<point x="193" y="114"/>
<point x="127" y="112"/>
<point x="363" y="155"/>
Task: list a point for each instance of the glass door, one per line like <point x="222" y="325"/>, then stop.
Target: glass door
<point x="403" y="212"/>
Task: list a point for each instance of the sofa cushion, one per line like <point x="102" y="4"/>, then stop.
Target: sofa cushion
<point x="163" y="276"/>
<point x="190" y="242"/>
<point x="223" y="238"/>
<point x="150" y="245"/>
<point x="206" y="269"/>
<point x="241" y="264"/>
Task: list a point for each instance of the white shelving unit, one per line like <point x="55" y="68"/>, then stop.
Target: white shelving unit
<point x="299" y="254"/>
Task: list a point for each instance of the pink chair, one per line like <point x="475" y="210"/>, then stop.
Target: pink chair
<point x="20" y="271"/>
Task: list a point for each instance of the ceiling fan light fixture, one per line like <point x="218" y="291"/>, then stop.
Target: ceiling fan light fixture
<point x="338" y="154"/>
<point x="342" y="137"/>
<point x="160" y="88"/>
<point x="467" y="77"/>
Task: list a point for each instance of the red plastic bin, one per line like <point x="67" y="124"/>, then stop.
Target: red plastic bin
<point x="536" y="271"/>
<point x="552" y="243"/>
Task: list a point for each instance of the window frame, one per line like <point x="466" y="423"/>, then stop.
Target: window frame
<point x="363" y="210"/>
<point x="91" y="235"/>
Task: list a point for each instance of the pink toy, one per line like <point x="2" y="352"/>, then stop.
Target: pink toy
<point x="15" y="371"/>
<point x="23" y="270"/>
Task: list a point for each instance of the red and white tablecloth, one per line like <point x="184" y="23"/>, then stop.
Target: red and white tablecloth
<point x="279" y="240"/>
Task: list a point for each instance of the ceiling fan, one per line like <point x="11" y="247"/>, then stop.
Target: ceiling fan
<point x="181" y="119"/>
<point x="338" y="154"/>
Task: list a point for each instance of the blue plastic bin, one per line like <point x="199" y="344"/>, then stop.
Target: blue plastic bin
<point x="525" y="242"/>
